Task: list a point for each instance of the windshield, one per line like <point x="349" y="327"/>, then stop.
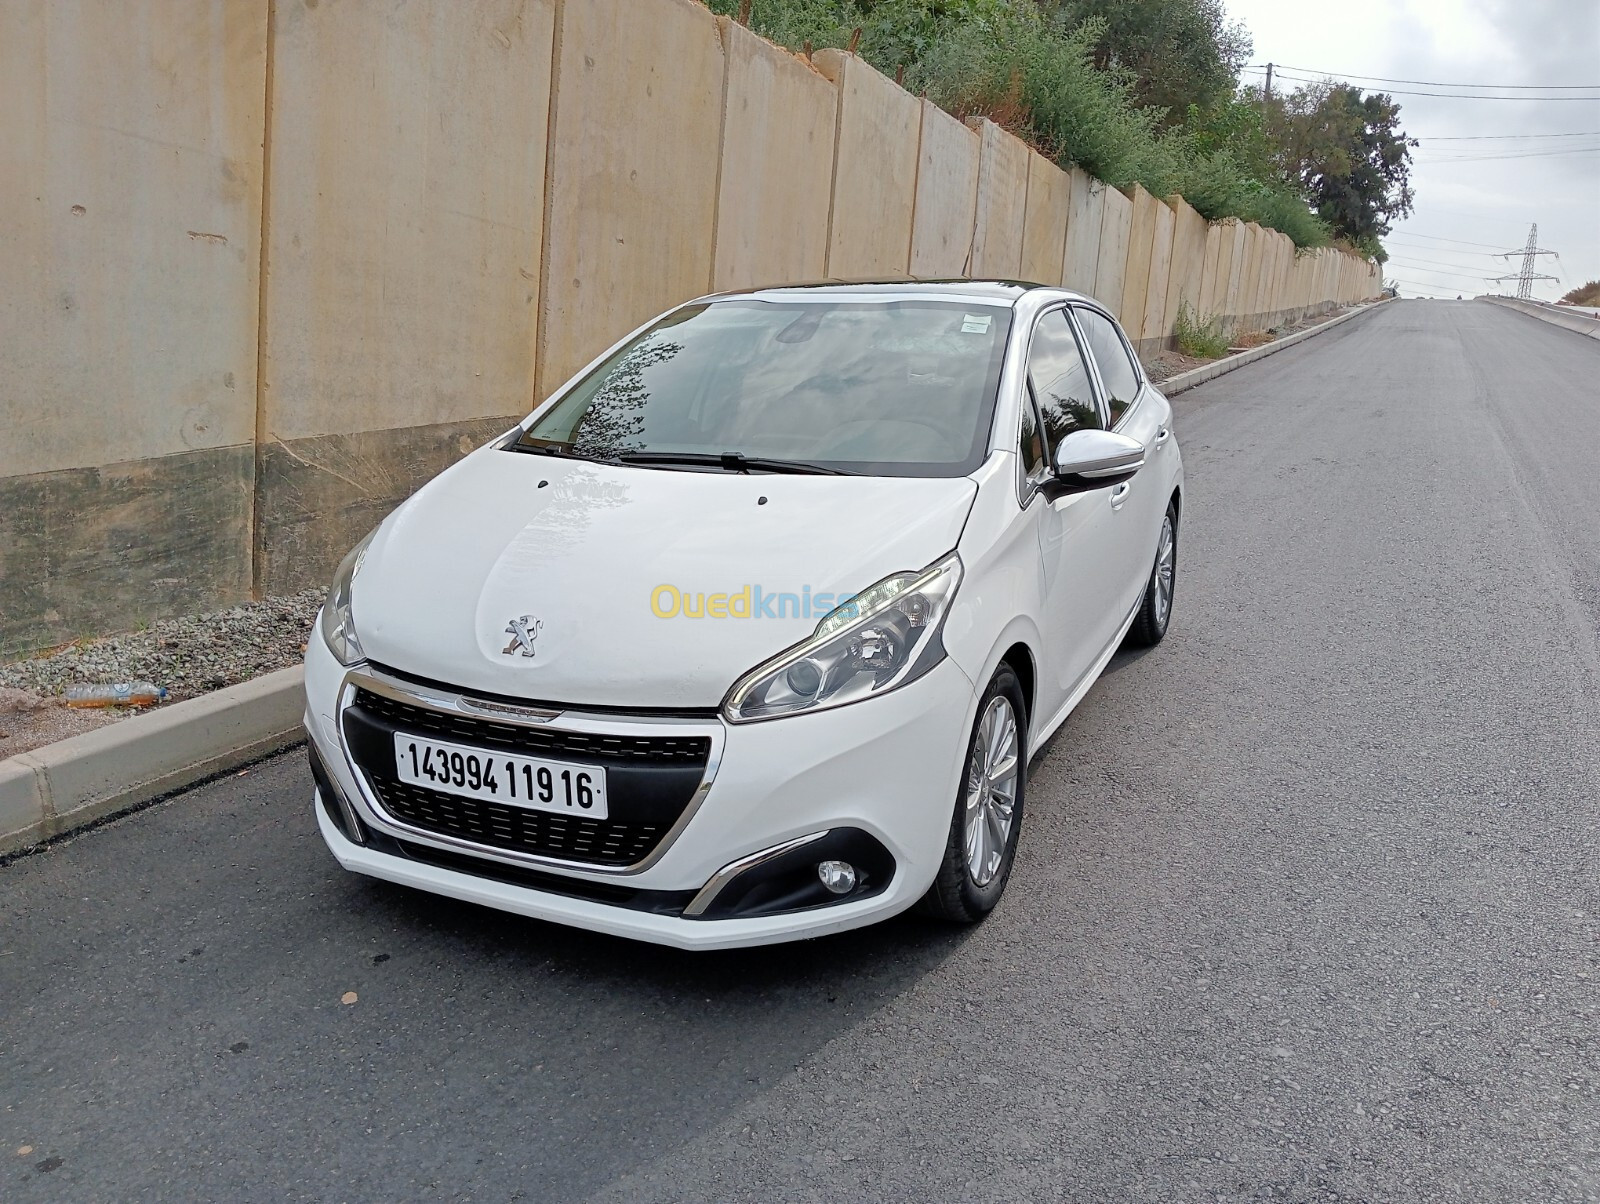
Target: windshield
<point x="887" y="388"/>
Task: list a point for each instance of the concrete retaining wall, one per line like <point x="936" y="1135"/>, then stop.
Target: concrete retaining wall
<point x="1085" y="210"/>
<point x="1116" y="225"/>
<point x="1044" y="227"/>
<point x="403" y="249"/>
<point x="1002" y="202"/>
<point x="874" y="172"/>
<point x="947" y="195"/>
<point x="271" y="265"/>
<point x="776" y="172"/>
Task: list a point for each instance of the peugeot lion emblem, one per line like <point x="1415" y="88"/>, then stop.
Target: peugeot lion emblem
<point x="523" y="632"/>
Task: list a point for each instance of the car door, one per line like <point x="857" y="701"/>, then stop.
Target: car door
<point x="1137" y="410"/>
<point x="1078" y="533"/>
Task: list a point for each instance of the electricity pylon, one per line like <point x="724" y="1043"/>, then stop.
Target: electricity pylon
<point x="1527" y="275"/>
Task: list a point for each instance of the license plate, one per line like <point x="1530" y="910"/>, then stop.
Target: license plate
<point x="501" y="777"/>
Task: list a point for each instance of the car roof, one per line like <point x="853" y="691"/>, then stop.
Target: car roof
<point x="1003" y="291"/>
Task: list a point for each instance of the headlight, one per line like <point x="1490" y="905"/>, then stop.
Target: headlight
<point x="338" y="624"/>
<point x="884" y="637"/>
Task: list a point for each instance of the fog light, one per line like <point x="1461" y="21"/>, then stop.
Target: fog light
<point x="838" y="876"/>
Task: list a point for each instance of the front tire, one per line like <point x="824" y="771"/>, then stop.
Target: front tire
<point x="1155" y="612"/>
<point x="982" y="843"/>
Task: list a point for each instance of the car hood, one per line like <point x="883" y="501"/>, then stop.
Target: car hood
<point x="584" y="551"/>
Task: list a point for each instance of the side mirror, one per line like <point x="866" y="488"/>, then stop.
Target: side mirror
<point x="1088" y="460"/>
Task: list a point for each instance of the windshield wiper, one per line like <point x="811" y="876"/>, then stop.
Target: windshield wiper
<point x="733" y="462"/>
<point x="552" y="449"/>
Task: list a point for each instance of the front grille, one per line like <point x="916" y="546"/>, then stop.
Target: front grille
<point x="598" y="841"/>
<point x="532" y="740"/>
<point x="649" y="782"/>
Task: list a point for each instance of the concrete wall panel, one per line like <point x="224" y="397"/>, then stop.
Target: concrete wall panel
<point x="1188" y="263"/>
<point x="130" y="184"/>
<point x="1136" y="276"/>
<point x="407" y="197"/>
<point x="404" y="224"/>
<point x="1044" y="225"/>
<point x="1085" y="208"/>
<point x="1250" y="277"/>
<point x="1153" y="331"/>
<point x="1213" y="275"/>
<point x="1002" y="202"/>
<point x="632" y="180"/>
<point x="874" y="171"/>
<point x="777" y="165"/>
<point x="1115" y="223"/>
<point x="1234" y="238"/>
<point x="947" y="195"/>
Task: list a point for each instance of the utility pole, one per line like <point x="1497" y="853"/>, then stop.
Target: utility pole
<point x="1527" y="275"/>
<point x="1266" y="98"/>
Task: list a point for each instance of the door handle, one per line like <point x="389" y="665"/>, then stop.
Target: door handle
<point x="1162" y="435"/>
<point x="1119" y="495"/>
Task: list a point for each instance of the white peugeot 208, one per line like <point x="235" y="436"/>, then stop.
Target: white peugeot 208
<point x="748" y="632"/>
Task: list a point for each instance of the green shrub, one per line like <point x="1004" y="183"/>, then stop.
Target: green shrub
<point x="1034" y="73"/>
<point x="1202" y="338"/>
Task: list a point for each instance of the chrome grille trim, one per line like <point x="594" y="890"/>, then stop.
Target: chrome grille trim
<point x="433" y="698"/>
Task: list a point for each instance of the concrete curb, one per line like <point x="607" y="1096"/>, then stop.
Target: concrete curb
<point x="74" y="782"/>
<point x="1578" y="321"/>
<point x="1185" y="381"/>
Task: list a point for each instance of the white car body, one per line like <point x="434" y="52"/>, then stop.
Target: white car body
<point x="1051" y="586"/>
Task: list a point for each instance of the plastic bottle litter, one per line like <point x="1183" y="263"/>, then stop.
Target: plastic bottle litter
<point x="116" y="694"/>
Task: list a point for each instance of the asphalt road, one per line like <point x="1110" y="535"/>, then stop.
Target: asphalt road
<point x="1306" y="906"/>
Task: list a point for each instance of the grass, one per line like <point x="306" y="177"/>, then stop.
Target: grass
<point x="1031" y="72"/>
<point x="1202" y="338"/>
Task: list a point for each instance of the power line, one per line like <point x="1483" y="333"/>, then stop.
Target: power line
<point x="1419" y="284"/>
<point x="1302" y="79"/>
<point x="1422" y="248"/>
<point x="1435" y="84"/>
<point x="1493" y="246"/>
<point x="1416" y="267"/>
<point x="1503" y="137"/>
<point x="1492" y="158"/>
<point x="1415" y="255"/>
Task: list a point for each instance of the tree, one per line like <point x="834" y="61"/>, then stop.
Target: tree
<point x="1179" y="52"/>
<point x="1348" y="156"/>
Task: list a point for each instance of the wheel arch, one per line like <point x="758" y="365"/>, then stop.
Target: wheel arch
<point x="1020" y="657"/>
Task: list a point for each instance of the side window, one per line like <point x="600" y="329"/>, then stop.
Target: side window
<point x="1117" y="372"/>
<point x="1032" y="442"/>
<point x="1061" y="380"/>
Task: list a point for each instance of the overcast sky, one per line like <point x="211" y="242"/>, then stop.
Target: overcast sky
<point x="1481" y="204"/>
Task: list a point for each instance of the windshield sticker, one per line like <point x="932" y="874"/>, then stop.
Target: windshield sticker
<point x="975" y="323"/>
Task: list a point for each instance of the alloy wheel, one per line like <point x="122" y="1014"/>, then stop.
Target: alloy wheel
<point x="1166" y="566"/>
<point x="991" y="790"/>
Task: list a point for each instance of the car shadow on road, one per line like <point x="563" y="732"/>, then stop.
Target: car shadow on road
<point x="620" y="1050"/>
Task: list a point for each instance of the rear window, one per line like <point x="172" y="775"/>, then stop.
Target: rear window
<point x="889" y="388"/>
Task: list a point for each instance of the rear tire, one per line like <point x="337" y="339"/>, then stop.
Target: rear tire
<point x="982" y="843"/>
<point x="1155" y="611"/>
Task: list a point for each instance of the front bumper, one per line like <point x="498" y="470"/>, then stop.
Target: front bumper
<point x="888" y="767"/>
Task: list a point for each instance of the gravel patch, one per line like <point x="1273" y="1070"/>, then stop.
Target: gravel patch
<point x="1164" y="365"/>
<point x="189" y="656"/>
